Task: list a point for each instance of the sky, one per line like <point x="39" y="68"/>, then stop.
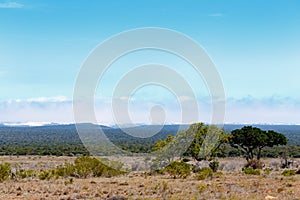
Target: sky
<point x="255" y="46"/>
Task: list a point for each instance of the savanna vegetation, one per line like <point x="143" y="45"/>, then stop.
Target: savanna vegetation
<point x="190" y="164"/>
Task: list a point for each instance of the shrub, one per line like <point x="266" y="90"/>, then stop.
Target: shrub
<point x="22" y="173"/>
<point x="267" y="171"/>
<point x="204" y="173"/>
<point x="46" y="175"/>
<point x="201" y="188"/>
<point x="196" y="169"/>
<point x="214" y="165"/>
<point x="87" y="166"/>
<point x="5" y="171"/>
<point x="251" y="171"/>
<point x="180" y="169"/>
<point x="83" y="167"/>
<point x="288" y="172"/>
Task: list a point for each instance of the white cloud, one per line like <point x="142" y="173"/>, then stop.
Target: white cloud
<point x="274" y="110"/>
<point x="42" y="109"/>
<point x="48" y="99"/>
<point x="11" y="4"/>
<point x="28" y="123"/>
<point x="277" y="110"/>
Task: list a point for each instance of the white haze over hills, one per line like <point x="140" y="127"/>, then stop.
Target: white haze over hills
<point x="58" y="110"/>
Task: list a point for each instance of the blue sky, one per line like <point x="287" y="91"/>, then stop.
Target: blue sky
<point x="254" y="44"/>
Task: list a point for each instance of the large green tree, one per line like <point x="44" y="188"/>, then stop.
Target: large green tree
<point x="251" y="140"/>
<point x="199" y="141"/>
<point x="207" y="140"/>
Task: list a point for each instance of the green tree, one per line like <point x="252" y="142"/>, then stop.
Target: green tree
<point x="207" y="140"/>
<point x="162" y="143"/>
<point x="251" y="140"/>
<point x="199" y="141"/>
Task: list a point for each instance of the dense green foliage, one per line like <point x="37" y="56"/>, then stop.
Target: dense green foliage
<point x="251" y="171"/>
<point x="212" y="135"/>
<point x="251" y="140"/>
<point x="46" y="140"/>
<point x="64" y="140"/>
<point x="83" y="167"/>
<point x="204" y="173"/>
<point x="5" y="171"/>
<point x="289" y="172"/>
<point x="199" y="141"/>
<point x="178" y="169"/>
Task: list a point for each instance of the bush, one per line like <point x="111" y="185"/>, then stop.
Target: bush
<point x="180" y="169"/>
<point x="83" y="167"/>
<point x="267" y="171"/>
<point x="22" y="173"/>
<point x="288" y="172"/>
<point x="201" y="188"/>
<point x="251" y="171"/>
<point x="5" y="171"/>
<point x="214" y="165"/>
<point x="87" y="166"/>
<point x="46" y="175"/>
<point x="204" y="173"/>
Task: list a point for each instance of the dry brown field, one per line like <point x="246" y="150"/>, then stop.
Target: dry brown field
<point x="229" y="183"/>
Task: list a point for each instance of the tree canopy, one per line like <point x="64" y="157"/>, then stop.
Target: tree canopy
<point x="251" y="140"/>
<point x="199" y="141"/>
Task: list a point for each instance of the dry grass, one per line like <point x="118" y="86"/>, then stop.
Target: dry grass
<point x="231" y="184"/>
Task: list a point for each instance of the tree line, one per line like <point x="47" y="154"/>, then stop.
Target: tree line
<point x="209" y="141"/>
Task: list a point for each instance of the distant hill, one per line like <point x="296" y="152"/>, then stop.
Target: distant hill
<point x="64" y="139"/>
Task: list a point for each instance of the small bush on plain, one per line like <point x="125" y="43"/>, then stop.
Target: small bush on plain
<point x="214" y="165"/>
<point x="288" y="172"/>
<point x="204" y="173"/>
<point x="178" y="169"/>
<point x="251" y="171"/>
<point x="201" y="188"/>
<point x="5" y="171"/>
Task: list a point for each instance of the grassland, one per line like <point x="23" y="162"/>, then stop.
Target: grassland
<point x="228" y="183"/>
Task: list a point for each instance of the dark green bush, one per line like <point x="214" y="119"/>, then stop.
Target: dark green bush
<point x="5" y="171"/>
<point x="178" y="169"/>
<point x="288" y="172"/>
<point x="87" y="167"/>
<point x="214" y="165"/>
<point x="204" y="173"/>
<point x="22" y="173"/>
<point x="251" y="171"/>
<point x="267" y="171"/>
<point x="83" y="167"/>
<point x="46" y="174"/>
